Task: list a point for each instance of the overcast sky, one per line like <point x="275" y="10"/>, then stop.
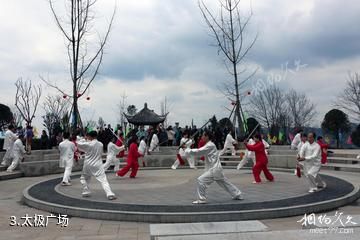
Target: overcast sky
<point x="161" y="48"/>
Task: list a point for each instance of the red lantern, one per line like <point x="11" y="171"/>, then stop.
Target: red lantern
<point x="79" y="95"/>
<point x="233" y="103"/>
<point x="248" y="93"/>
<point x="65" y="96"/>
<point x="88" y="98"/>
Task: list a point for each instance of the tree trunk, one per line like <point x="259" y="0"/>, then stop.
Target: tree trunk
<point x="234" y="63"/>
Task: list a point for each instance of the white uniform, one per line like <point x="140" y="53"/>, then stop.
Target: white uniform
<point x="112" y="151"/>
<point x="295" y="142"/>
<point x="250" y="155"/>
<point x="18" y="154"/>
<point x="229" y="144"/>
<point x="142" y="147"/>
<point x="67" y="150"/>
<point x="142" y="150"/>
<point x="298" y="150"/>
<point x="93" y="166"/>
<point x="312" y="164"/>
<point x="9" y="140"/>
<point x="187" y="142"/>
<point x="154" y="144"/>
<point x="213" y="171"/>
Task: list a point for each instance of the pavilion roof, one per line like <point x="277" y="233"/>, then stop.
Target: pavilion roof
<point x="145" y="117"/>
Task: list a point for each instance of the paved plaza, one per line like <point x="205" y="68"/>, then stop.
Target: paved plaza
<point x="146" y="189"/>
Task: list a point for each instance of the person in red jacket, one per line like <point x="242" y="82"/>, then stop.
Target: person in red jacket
<point x="261" y="160"/>
<point x="119" y="142"/>
<point x="132" y="159"/>
<point x="324" y="147"/>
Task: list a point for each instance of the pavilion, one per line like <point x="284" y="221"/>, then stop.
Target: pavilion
<point x="146" y="117"/>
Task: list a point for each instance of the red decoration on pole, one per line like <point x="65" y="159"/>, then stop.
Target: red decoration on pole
<point x="79" y="95"/>
<point x="65" y="96"/>
<point x="233" y="103"/>
<point x="88" y="98"/>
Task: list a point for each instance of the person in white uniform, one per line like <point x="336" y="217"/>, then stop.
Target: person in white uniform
<point x="297" y="139"/>
<point x="10" y="138"/>
<point x="154" y="144"/>
<point x="112" y="151"/>
<point x="250" y="155"/>
<point x="229" y="143"/>
<point x="310" y="155"/>
<point x="142" y="149"/>
<point x="18" y="150"/>
<point x="93" y="165"/>
<point x="302" y="142"/>
<point x="213" y="170"/>
<point x="185" y="143"/>
<point x="67" y="151"/>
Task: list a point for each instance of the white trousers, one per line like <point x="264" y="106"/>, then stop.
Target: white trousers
<point x="14" y="164"/>
<point x="85" y="180"/>
<point x="311" y="173"/>
<point x="189" y="159"/>
<point x="68" y="168"/>
<point x="110" y="161"/>
<point x="244" y="161"/>
<point x="232" y="149"/>
<point x="7" y="157"/>
<point x="207" y="178"/>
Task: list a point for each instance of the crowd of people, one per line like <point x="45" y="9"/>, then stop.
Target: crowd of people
<point x="199" y="144"/>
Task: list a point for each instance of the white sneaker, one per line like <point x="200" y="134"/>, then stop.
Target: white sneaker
<point x="65" y="184"/>
<point x="173" y="167"/>
<point x="238" y="167"/>
<point x="111" y="197"/>
<point x="9" y="170"/>
<point x="238" y="197"/>
<point x="312" y="190"/>
<point x="323" y="185"/>
<point x="86" y="193"/>
<point x="199" y="201"/>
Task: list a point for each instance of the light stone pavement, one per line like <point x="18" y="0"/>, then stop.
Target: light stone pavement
<point x="179" y="186"/>
<point x="79" y="228"/>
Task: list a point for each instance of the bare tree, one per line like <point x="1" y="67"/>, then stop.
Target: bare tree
<point x="349" y="99"/>
<point x="301" y="110"/>
<point x="56" y="111"/>
<point x="27" y="99"/>
<point x="17" y="117"/>
<point x="164" y="109"/>
<point x="122" y="109"/>
<point x="269" y="108"/>
<point x="56" y="105"/>
<point x="229" y="30"/>
<point x="76" y="25"/>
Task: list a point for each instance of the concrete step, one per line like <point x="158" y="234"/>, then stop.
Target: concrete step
<point x="342" y="167"/>
<point x="6" y="175"/>
<point x="314" y="234"/>
<point x="52" y="156"/>
<point x="158" y="231"/>
<point x="344" y="155"/>
<point x="343" y="160"/>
